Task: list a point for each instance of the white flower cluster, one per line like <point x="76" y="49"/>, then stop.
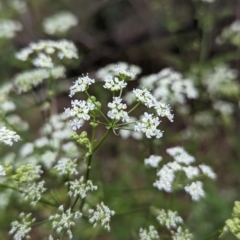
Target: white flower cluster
<point x="195" y="189"/>
<point x="168" y="218"/>
<point x="79" y="111"/>
<point x="120" y="68"/>
<point x="81" y="85"/>
<point x="180" y="155"/>
<point x="8" y="136"/>
<point x="18" y="5"/>
<point x="79" y="187"/>
<point x="66" y="166"/>
<point x="27" y="80"/>
<point x="117" y="110"/>
<point x="147" y="124"/>
<point x="230" y="34"/>
<point x="33" y="192"/>
<point x="64" y="220"/>
<point x="8" y="28"/>
<point x="43" y="52"/>
<point x="150" y="234"/>
<point x="101" y="215"/>
<point x="181" y="234"/>
<point x="20" y="230"/>
<point x="114" y="84"/>
<point x="172" y="221"/>
<point x="182" y="162"/>
<point x="169" y="86"/>
<point x="153" y="161"/>
<point x="146" y="98"/>
<point x="59" y="23"/>
<point x="220" y="78"/>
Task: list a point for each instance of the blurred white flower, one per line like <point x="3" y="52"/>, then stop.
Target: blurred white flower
<point x="8" y="28"/>
<point x="59" y="23"/>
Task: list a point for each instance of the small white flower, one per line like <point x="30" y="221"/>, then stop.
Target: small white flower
<point x="76" y="123"/>
<point x="81" y="85"/>
<point x="195" y="189"/>
<point x="79" y="187"/>
<point x="43" y="61"/>
<point x="101" y="215"/>
<point x="66" y="166"/>
<point x="181" y="234"/>
<point x="33" y="192"/>
<point x="150" y="234"/>
<point x="169" y="86"/>
<point x="191" y="172"/>
<point x="153" y="161"/>
<point x="180" y="155"/>
<point x="166" y="178"/>
<point x="64" y="220"/>
<point x="25" y="81"/>
<point x="20" y="230"/>
<point x="175" y="166"/>
<point x="163" y="110"/>
<point x="59" y="23"/>
<point x="145" y="97"/>
<point x="207" y="171"/>
<point x="117" y="110"/>
<point x="8" y="136"/>
<point x="168" y="218"/>
<point x="80" y="110"/>
<point x="48" y="49"/>
<point x="119" y="69"/>
<point x="148" y="125"/>
<point x="8" y="28"/>
<point x="114" y="84"/>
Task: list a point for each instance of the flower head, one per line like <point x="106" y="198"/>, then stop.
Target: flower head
<point x="101" y="215"/>
<point x="153" y="161"/>
<point x="195" y="189"/>
<point x="64" y="220"/>
<point x="20" y="230"/>
<point x="168" y="218"/>
<point x="117" y="110"/>
<point x="150" y="234"/>
<point x="53" y="25"/>
<point x="148" y="125"/>
<point x="8" y="136"/>
<point x="81" y="85"/>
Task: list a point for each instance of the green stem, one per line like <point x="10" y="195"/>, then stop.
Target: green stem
<point x="89" y="161"/>
<point x="134" y="107"/>
<point x="102" y="140"/>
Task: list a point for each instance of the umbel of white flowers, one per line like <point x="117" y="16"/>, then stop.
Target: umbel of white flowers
<point x="82" y="110"/>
